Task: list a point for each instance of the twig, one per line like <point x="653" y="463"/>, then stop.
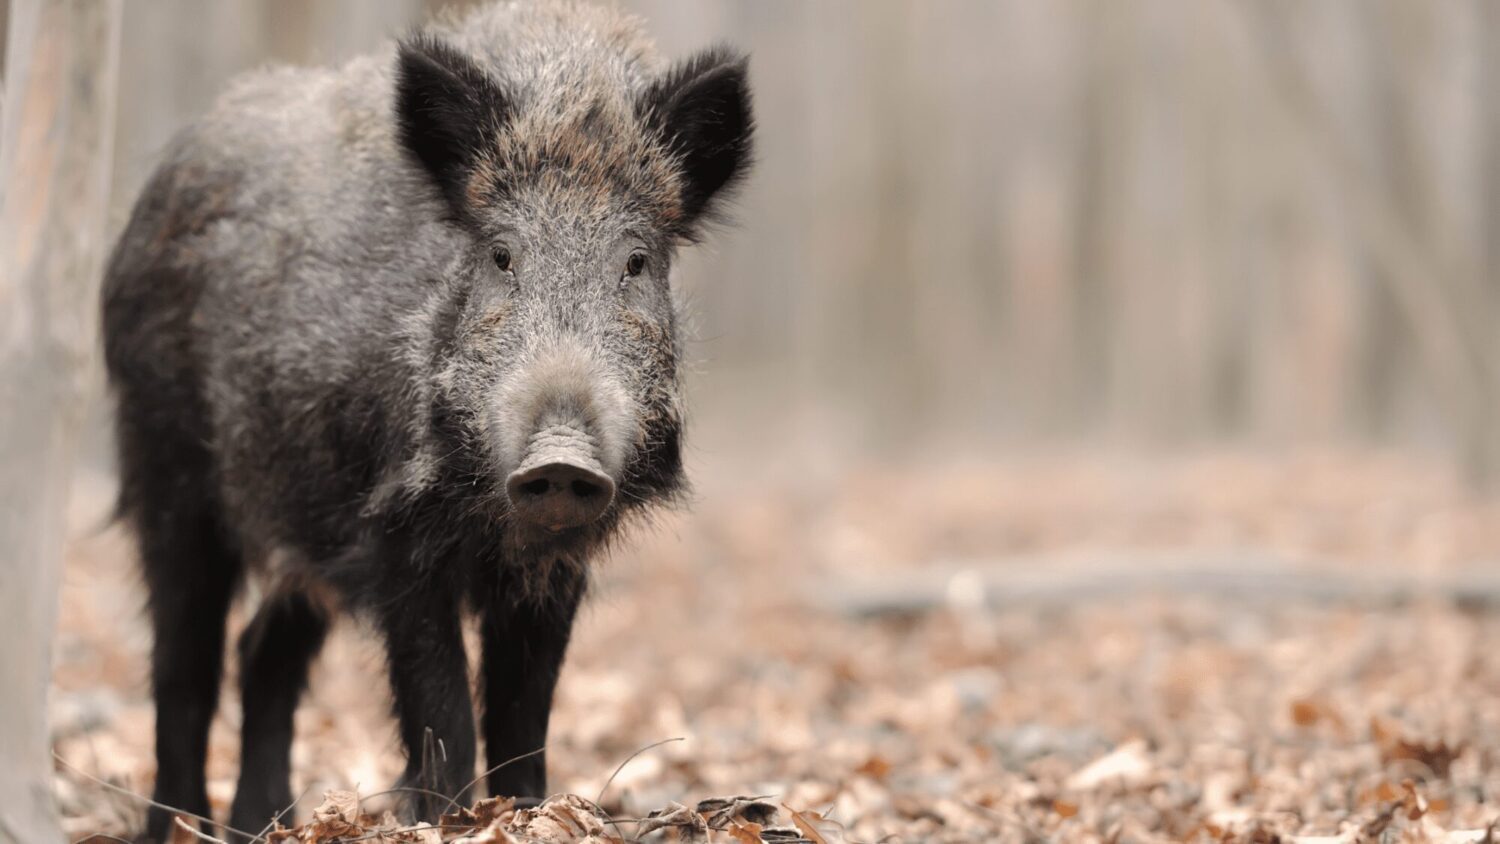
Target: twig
<point x="147" y="800"/>
<point x="276" y="819"/>
<point x="203" y="836"/>
<point x="411" y="788"/>
<point x="105" y="835"/>
<point x="611" y="779"/>
<point x="474" y="781"/>
<point x="120" y="806"/>
<point x="610" y="819"/>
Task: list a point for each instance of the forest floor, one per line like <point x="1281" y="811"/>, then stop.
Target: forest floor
<point x="1068" y="647"/>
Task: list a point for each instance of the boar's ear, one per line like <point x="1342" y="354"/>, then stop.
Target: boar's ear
<point x="447" y="110"/>
<point x="701" y="108"/>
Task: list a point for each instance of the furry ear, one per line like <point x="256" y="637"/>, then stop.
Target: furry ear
<point x="701" y="108"/>
<point x="447" y="109"/>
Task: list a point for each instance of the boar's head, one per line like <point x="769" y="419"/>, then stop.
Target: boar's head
<point x="573" y="185"/>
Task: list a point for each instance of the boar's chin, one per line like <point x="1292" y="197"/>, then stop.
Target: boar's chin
<point x="529" y="544"/>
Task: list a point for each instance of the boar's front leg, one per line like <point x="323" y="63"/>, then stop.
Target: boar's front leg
<point x="524" y="644"/>
<point x="276" y="651"/>
<point x="430" y="689"/>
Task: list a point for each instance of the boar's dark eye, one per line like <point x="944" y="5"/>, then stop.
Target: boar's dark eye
<point x="635" y="264"/>
<point x="502" y="259"/>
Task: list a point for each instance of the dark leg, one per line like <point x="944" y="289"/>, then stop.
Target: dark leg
<point x="430" y="687"/>
<point x="524" y="645"/>
<point x="275" y="652"/>
<point x="191" y="574"/>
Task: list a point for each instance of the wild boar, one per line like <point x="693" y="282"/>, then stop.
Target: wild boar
<point x="397" y="339"/>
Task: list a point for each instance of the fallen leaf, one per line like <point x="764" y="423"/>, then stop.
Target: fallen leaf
<point x="718" y="812"/>
<point x="1436" y="757"/>
<point x="876" y="767"/>
<point x="676" y="815"/>
<point x="745" y="832"/>
<point x="1412" y="802"/>
<point x="564" y="819"/>
<point x="804" y="822"/>
<point x="1305" y="712"/>
<point x="338" y="806"/>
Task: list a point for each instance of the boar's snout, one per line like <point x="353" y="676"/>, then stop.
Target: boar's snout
<point x="562" y="426"/>
<point x="560" y="484"/>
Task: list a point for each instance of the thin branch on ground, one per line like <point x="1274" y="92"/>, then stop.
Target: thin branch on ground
<point x="412" y="789"/>
<point x="147" y="800"/>
<point x="627" y="761"/>
<point x="475" y="781"/>
<point x="276" y="819"/>
<point x="201" y="836"/>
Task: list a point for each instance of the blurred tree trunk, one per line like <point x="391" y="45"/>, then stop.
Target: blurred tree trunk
<point x="1435" y="288"/>
<point x="55" y="134"/>
<point x="1103" y="105"/>
<point x="1488" y="165"/>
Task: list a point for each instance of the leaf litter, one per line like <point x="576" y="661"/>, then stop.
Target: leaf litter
<point x="1137" y="717"/>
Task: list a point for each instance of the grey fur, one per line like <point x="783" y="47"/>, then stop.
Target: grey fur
<point x="318" y="240"/>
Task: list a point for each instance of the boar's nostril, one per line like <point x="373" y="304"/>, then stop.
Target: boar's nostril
<point x="559" y="494"/>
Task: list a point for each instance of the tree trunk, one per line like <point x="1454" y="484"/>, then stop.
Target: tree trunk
<point x="55" y="133"/>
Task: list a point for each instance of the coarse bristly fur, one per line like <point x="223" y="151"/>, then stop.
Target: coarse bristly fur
<point x="344" y="306"/>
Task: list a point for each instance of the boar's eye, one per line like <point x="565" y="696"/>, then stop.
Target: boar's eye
<point x="635" y="264"/>
<point x="502" y="259"/>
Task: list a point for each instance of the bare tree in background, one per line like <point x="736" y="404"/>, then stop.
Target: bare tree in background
<point x="55" y="133"/>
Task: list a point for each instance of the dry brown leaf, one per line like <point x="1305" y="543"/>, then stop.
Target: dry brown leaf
<point x="1414" y="804"/>
<point x="1305" y="712"/>
<point x="1309" y="712"/>
<point x="876" y="767"/>
<point x="563" y="819"/>
<point x="717" y="812"/>
<point x="463" y="817"/>
<point x="488" y="820"/>
<point x="690" y="823"/>
<point x="338" y="806"/>
<point x="491" y="809"/>
<point x="804" y="822"/>
<point x="744" y="832"/>
<point x="419" y="834"/>
<point x="1436" y="757"/>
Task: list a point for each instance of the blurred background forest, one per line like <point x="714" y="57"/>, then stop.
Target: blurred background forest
<point x="1030" y="308"/>
<point x="987" y="223"/>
